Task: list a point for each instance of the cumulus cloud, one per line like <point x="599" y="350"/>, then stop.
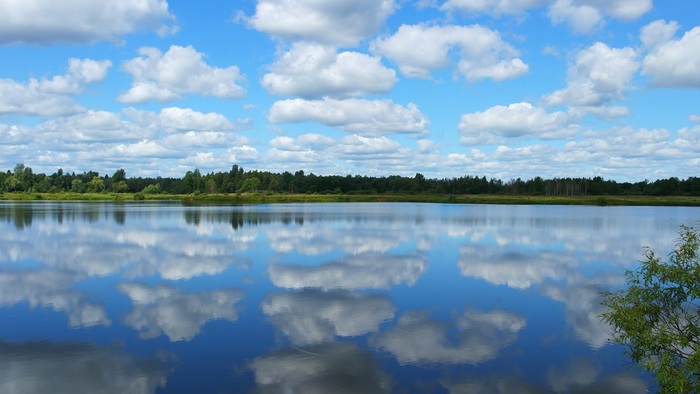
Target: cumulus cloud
<point x="492" y="7"/>
<point x="658" y="33"/>
<point x="102" y="126"/>
<point x="181" y="70"/>
<point x="339" y="23"/>
<point x="186" y="119"/>
<point x="311" y="70"/>
<point x="671" y="62"/>
<point x="46" y="367"/>
<point x="585" y="16"/>
<point x="599" y="76"/>
<point x="517" y="120"/>
<point x="364" y="117"/>
<point x="313" y="316"/>
<point x="365" y="271"/>
<point x="164" y="309"/>
<point x="51" y="97"/>
<point x="478" y="52"/>
<point x="80" y="21"/>
<point x="327" y="368"/>
<point x="482" y="335"/>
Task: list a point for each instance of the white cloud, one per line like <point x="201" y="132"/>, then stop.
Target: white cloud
<point x="366" y="117"/>
<point x="179" y="316"/>
<point x="181" y="70"/>
<point x="585" y="16"/>
<point x="658" y="33"/>
<point x="240" y="154"/>
<point x="14" y="135"/>
<point x="598" y="76"/>
<point x="672" y="63"/>
<point x="80" y="21"/>
<point x="51" y="97"/>
<point x="478" y="51"/>
<point x="493" y="7"/>
<point x="96" y="126"/>
<point x="357" y="145"/>
<point x="517" y="120"/>
<point x="186" y="119"/>
<point x="340" y="22"/>
<point x="312" y="70"/>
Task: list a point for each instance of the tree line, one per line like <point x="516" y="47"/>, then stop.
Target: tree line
<point x="23" y="180"/>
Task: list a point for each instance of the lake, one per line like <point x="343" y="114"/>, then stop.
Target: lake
<point x="318" y="298"/>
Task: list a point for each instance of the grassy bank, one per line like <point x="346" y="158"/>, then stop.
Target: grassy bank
<point x="260" y="198"/>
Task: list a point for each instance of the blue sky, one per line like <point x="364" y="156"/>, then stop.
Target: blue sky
<point x="495" y="88"/>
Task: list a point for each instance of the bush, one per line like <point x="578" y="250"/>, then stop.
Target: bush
<point x="658" y="317"/>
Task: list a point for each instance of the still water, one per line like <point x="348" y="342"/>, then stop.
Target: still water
<point x="318" y="298"/>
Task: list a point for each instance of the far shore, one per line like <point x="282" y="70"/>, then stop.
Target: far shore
<point x="265" y="198"/>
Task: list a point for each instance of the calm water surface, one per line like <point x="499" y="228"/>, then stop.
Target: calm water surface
<point x="317" y="298"/>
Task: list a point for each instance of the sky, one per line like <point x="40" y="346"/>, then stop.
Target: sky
<point x="498" y="88"/>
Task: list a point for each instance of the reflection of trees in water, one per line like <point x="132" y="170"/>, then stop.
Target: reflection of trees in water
<point x="238" y="218"/>
<point x="22" y="215"/>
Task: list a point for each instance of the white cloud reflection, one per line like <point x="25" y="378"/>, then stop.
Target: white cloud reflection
<point x="320" y="369"/>
<point x="51" y="289"/>
<point x="516" y="270"/>
<point x="482" y="335"/>
<point x="577" y="376"/>
<point x="312" y="316"/>
<point x="165" y="310"/>
<point x="46" y="367"/>
<point x="366" y="271"/>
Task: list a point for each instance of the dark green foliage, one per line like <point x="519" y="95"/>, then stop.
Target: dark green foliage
<point x="657" y="317"/>
<point x="23" y="180"/>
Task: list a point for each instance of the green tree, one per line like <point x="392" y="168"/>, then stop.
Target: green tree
<point x="96" y="185"/>
<point x="77" y="186"/>
<point x="657" y="317"/>
<point x="251" y="185"/>
<point x="119" y="175"/>
<point x="120" y="187"/>
<point x="152" y="189"/>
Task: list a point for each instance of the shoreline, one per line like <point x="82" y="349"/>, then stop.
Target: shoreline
<point x="261" y="198"/>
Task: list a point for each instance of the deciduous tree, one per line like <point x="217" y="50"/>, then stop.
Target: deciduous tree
<point x="657" y="317"/>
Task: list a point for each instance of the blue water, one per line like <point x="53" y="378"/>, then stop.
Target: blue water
<point x="318" y="298"/>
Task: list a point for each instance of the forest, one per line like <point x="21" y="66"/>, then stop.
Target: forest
<point x="23" y="180"/>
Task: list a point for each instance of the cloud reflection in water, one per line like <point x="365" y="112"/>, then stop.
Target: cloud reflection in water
<point x="321" y="369"/>
<point x="164" y="309"/>
<point x="365" y="271"/>
<point x="46" y="367"/>
<point x="416" y="339"/>
<point x="314" y="316"/>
